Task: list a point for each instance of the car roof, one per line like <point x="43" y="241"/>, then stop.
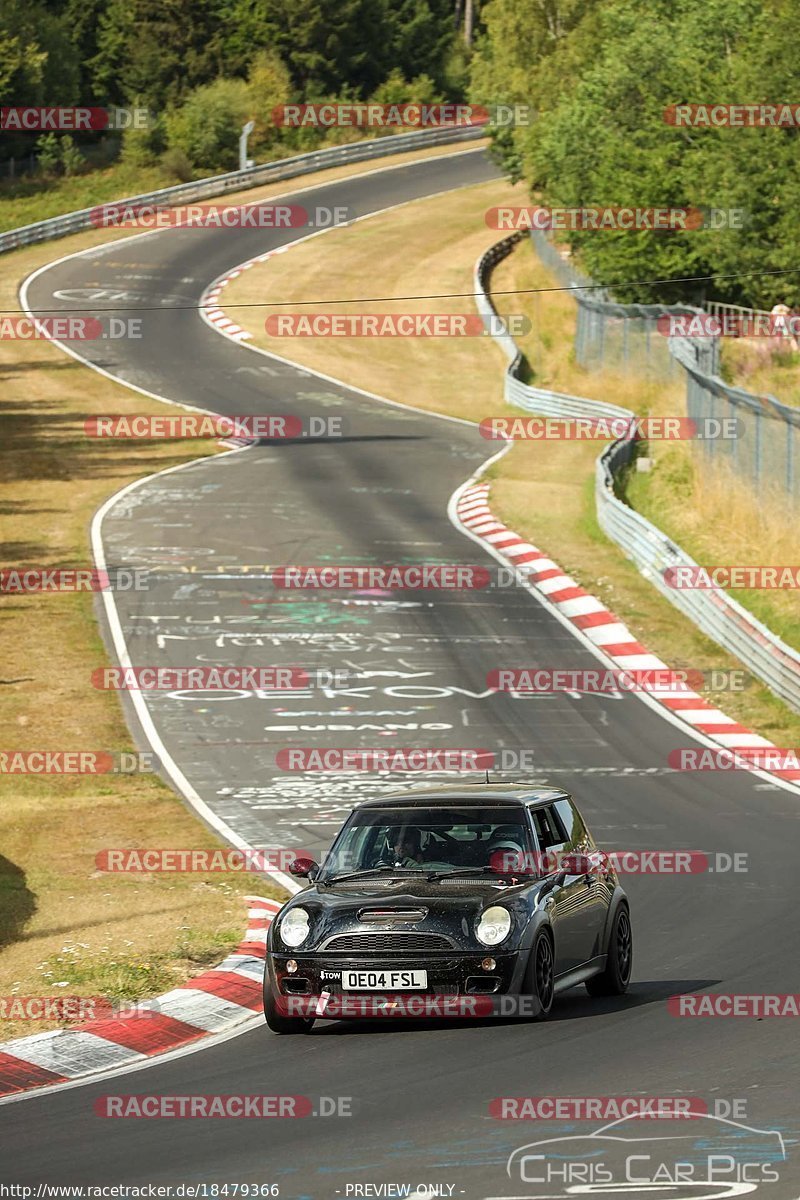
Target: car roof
<point x="469" y="796"/>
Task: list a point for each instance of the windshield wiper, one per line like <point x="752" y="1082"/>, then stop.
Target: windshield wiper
<point x="477" y="871"/>
<point x="371" y="871"/>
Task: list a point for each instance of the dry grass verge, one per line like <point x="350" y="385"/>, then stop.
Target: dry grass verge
<point x="62" y="922"/>
<point x="762" y="365"/>
<point x="542" y="489"/>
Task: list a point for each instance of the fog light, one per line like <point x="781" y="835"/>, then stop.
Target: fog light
<point x="488" y="964"/>
<point x="291" y="966"/>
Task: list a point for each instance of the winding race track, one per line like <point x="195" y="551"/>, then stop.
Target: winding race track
<point x="420" y="1092"/>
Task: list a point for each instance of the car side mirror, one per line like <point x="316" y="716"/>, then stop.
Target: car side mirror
<point x="578" y="864"/>
<point x="304" y="868"/>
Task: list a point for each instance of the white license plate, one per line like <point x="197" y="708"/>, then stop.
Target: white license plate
<point x="384" y="981"/>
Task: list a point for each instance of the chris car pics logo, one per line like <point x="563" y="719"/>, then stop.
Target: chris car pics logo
<point x="711" y="1156"/>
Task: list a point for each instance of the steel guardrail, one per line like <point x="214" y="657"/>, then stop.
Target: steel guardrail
<point x="232" y="181"/>
<point x="713" y="611"/>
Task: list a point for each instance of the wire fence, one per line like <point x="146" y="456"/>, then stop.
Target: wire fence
<point x="611" y="334"/>
<point x="766" y="451"/>
<point x="715" y="612"/>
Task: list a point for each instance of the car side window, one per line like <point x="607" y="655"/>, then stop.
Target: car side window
<point x="549" y="832"/>
<point x="574" y="828"/>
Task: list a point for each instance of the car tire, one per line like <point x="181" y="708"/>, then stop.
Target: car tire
<point x="281" y="1024"/>
<point x="540" y="976"/>
<point x="615" y="978"/>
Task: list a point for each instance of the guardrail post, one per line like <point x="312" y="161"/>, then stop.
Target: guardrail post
<point x="790" y="459"/>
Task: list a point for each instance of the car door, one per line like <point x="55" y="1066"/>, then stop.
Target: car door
<point x="578" y="907"/>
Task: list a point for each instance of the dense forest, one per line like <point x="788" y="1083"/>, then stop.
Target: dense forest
<point x="597" y="76"/>
<point x="203" y="67"/>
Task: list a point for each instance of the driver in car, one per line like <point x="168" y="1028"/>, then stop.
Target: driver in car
<point x="406" y="847"/>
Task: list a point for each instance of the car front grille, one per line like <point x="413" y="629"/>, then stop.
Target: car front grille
<point x="387" y="943"/>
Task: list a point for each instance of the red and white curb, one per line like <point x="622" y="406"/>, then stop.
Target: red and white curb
<point x="600" y="626"/>
<point x="216" y="315"/>
<point x="210" y="300"/>
<point x="212" y="1003"/>
<point x="211" y="311"/>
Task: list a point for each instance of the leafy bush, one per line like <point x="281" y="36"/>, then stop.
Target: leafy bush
<point x="71" y="156"/>
<point x="176" y="163"/>
<point x="395" y="89"/>
<point x="207" y="126"/>
<point x="143" y="147"/>
<point x="48" y="153"/>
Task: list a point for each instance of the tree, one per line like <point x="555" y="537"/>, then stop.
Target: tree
<point x="38" y="65"/>
<point x="598" y="78"/>
<point x="269" y="85"/>
<point x="155" y="49"/>
<point x="207" y="125"/>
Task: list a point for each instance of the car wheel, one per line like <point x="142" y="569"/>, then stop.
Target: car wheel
<point x="615" y="978"/>
<point x="278" y="1023"/>
<point x="540" y="976"/>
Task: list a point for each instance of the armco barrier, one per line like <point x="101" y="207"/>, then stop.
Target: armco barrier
<point x="713" y="611"/>
<point x="522" y="395"/>
<point x="767" y="451"/>
<point x="218" y="185"/>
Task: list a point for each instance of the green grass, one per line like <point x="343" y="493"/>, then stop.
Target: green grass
<point x="126" y="978"/>
<point x="29" y="198"/>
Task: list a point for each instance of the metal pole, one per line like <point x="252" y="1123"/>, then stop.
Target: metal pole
<point x="246" y="131"/>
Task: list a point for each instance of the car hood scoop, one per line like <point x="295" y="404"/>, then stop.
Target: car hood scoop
<point x="390" y="916"/>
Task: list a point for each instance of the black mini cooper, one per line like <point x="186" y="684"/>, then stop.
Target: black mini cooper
<point x="449" y="902"/>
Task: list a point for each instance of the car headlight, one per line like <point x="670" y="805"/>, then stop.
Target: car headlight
<point x="494" y="925"/>
<point x="294" y="927"/>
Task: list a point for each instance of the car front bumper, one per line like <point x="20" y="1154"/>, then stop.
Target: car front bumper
<point x="458" y="984"/>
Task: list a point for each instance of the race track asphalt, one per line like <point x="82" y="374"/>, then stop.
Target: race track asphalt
<point x="418" y="661"/>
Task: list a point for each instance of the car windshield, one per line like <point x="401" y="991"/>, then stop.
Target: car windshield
<point x="429" y="839"/>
